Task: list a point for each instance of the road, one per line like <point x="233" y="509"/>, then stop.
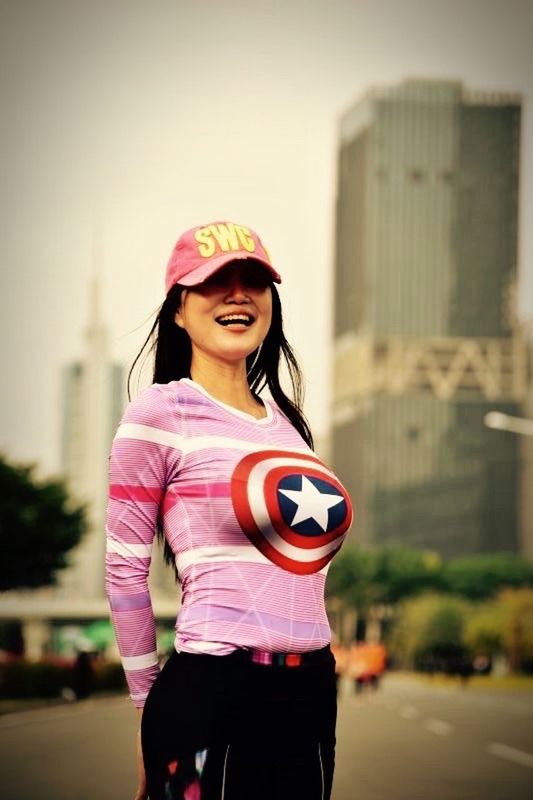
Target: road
<point x="410" y="740"/>
<point x="407" y="740"/>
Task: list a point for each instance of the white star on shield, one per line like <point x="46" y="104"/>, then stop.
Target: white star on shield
<point x="312" y="503"/>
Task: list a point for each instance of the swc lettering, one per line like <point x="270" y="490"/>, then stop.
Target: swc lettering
<point x="225" y="237"/>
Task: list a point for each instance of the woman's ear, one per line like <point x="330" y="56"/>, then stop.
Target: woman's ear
<point x="178" y="316"/>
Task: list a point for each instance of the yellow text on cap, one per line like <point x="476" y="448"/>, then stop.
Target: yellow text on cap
<point x="227" y="236"/>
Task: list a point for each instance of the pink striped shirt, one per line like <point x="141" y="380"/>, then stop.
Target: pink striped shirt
<point x="250" y="512"/>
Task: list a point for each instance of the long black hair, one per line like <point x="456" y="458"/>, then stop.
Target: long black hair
<point x="172" y="351"/>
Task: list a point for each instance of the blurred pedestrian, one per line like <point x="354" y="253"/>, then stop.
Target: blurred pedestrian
<point x="366" y="664"/>
<point x="83" y="675"/>
<point x="250" y="517"/>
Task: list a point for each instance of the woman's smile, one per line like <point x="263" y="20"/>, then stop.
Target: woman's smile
<point x="236" y="320"/>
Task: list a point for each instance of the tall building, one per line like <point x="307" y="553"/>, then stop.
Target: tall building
<point x="92" y="404"/>
<point x="93" y="401"/>
<point x="526" y="455"/>
<point x="426" y="340"/>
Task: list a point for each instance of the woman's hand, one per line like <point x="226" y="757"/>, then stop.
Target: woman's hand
<point x="141" y="793"/>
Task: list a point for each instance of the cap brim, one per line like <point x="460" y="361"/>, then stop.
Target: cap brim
<point x="204" y="271"/>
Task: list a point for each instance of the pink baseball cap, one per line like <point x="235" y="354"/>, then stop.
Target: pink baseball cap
<point x="203" y="250"/>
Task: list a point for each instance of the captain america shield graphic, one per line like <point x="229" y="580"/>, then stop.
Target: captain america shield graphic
<point x="291" y="507"/>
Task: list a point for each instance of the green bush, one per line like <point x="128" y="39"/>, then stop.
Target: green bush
<point x="428" y="633"/>
<point x="517" y="610"/>
<point x="505" y="625"/>
<point x="484" y="629"/>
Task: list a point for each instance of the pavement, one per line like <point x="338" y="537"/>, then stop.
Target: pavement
<point x="410" y="739"/>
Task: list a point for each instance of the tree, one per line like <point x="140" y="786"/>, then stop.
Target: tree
<point x="503" y="625"/>
<point x="367" y="581"/>
<point x="429" y="632"/>
<point x="400" y="572"/>
<point x="484" y="629"/>
<point x="517" y="605"/>
<point x="479" y="577"/>
<point x="383" y="576"/>
<point x="350" y="578"/>
<point x="38" y="526"/>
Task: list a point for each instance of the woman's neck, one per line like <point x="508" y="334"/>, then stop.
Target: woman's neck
<point x="226" y="382"/>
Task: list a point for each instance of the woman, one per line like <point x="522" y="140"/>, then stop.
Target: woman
<point x="245" y="707"/>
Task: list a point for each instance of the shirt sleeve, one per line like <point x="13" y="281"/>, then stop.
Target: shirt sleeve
<point x="142" y="455"/>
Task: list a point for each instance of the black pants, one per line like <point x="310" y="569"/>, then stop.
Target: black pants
<point x="225" y="728"/>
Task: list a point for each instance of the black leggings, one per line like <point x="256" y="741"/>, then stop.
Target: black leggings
<point x="225" y="728"/>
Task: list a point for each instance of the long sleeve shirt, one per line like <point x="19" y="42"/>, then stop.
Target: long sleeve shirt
<point x="251" y="513"/>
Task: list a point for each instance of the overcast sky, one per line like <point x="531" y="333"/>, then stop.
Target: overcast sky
<point x="156" y="116"/>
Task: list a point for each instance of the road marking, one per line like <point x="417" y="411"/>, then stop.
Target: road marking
<point x="409" y="712"/>
<point x="438" y="726"/>
<point x="511" y="754"/>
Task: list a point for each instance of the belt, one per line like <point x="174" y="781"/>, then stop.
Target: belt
<point x="268" y="659"/>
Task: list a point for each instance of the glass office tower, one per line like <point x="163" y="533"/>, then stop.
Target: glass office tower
<point x="426" y="340"/>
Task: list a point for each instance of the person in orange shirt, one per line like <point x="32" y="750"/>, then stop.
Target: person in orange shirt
<point x="366" y="664"/>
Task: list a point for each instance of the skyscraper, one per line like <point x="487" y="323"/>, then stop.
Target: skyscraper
<point x="93" y="401"/>
<point x="426" y="340"/>
<point x="526" y="456"/>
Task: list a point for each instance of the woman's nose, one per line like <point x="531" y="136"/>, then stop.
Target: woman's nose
<point x="237" y="289"/>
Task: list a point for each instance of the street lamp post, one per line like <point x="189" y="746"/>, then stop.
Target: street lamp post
<point x="523" y="427"/>
<point x="505" y="422"/>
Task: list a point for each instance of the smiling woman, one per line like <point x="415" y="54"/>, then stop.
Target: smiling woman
<point x="250" y="518"/>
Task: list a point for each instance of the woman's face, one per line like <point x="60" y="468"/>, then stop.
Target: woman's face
<point x="228" y="316"/>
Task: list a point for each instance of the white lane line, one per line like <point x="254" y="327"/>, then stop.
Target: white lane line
<point x="409" y="712"/>
<point x="511" y="754"/>
<point x="438" y="726"/>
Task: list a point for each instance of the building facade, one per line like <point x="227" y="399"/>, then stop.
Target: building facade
<point x="426" y="339"/>
<point x="92" y="404"/>
<point x="526" y="456"/>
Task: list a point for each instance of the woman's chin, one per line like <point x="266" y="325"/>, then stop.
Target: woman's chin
<point x="234" y="354"/>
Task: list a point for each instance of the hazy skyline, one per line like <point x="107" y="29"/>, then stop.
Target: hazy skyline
<point x="125" y="123"/>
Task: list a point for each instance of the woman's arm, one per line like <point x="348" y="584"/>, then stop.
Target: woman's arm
<point x="138" y="471"/>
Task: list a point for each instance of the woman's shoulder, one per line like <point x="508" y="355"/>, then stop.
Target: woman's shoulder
<point x="286" y="427"/>
<point x="153" y="404"/>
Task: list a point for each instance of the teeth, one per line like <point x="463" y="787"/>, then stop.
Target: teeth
<point x="229" y="318"/>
